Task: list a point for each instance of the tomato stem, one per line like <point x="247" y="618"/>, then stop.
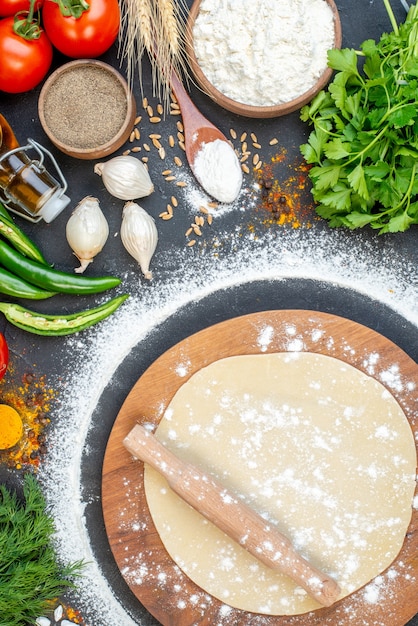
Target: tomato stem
<point x="26" y="25"/>
<point x="72" y="8"/>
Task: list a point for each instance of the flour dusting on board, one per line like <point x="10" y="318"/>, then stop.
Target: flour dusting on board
<point x="331" y="257"/>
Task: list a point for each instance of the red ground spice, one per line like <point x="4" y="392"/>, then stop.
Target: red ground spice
<point x="285" y="196"/>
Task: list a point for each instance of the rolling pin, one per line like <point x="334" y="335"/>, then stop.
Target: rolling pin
<point x="232" y="516"/>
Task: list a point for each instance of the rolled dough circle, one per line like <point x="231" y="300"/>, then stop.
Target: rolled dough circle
<point x="315" y="446"/>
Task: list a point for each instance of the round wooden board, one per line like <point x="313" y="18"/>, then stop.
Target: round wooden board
<point x="159" y="584"/>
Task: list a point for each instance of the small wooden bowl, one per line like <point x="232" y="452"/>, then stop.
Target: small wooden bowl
<point x="247" y="110"/>
<point x="87" y="109"/>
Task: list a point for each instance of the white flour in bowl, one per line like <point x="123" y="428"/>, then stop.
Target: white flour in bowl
<point x="263" y="53"/>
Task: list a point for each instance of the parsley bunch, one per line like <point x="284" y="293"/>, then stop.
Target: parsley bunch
<point x="30" y="577"/>
<point x="364" y="144"/>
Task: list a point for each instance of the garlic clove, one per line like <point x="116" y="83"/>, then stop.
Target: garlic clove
<point x="139" y="235"/>
<point x="87" y="231"/>
<point x="125" y="177"/>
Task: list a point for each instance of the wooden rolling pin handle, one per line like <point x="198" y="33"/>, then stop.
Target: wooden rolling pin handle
<point x="231" y="515"/>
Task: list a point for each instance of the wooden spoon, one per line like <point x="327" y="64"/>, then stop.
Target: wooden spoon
<point x="231" y="515"/>
<point x="198" y="131"/>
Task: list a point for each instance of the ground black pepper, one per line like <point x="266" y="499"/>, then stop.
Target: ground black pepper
<point x="85" y="107"/>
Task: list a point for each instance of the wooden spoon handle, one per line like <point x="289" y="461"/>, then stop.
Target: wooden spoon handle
<point x="232" y="516"/>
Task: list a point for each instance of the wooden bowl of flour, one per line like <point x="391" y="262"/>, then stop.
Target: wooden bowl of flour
<point x="225" y="75"/>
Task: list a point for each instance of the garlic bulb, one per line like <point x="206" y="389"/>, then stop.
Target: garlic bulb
<point x="125" y="177"/>
<point x="139" y="235"/>
<point x="87" y="231"/>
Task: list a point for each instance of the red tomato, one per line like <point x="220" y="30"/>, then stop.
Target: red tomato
<point x="86" y="37"/>
<point x="24" y="63"/>
<point x="4" y="356"/>
<point x="11" y="7"/>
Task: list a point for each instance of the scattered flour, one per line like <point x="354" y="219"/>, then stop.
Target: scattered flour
<point x="263" y="53"/>
<point x="328" y="256"/>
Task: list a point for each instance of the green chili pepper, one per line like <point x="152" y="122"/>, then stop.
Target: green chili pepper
<point x="51" y="279"/>
<point x="15" y="286"/>
<point x="58" y="325"/>
<point x="18" y="239"/>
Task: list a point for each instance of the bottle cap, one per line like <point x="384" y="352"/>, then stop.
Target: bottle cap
<point x="54" y="206"/>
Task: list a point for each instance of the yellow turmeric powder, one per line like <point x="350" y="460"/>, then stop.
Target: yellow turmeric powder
<point x="11" y="427"/>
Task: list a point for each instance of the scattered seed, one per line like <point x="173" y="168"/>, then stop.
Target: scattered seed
<point x="150" y="110"/>
<point x="167" y="216"/>
<point x="273" y="141"/>
<point x="161" y="152"/>
<point x="155" y="119"/>
<point x="180" y="126"/>
<point x="204" y="210"/>
<point x="191" y="243"/>
<point x="210" y="219"/>
<point x="175" y="112"/>
<point x="244" y="157"/>
<point x="257" y="145"/>
<point x="156" y="143"/>
<point x="174" y="105"/>
<point x="254" y="137"/>
<point x="154" y="136"/>
<point x="181" y="183"/>
<point x="137" y="120"/>
<point x="245" y="168"/>
<point x="182" y="146"/>
<point x="137" y="134"/>
<point x="244" y="146"/>
<point x="256" y="159"/>
<point x="171" y="141"/>
<point x="233" y="133"/>
<point x="132" y="136"/>
<point x="174" y="201"/>
<point x="126" y="152"/>
<point x="144" y="159"/>
<point x="136" y="148"/>
<point x="199" y="220"/>
<point x="180" y="136"/>
<point x="213" y="204"/>
<point x="258" y="165"/>
<point x="146" y="147"/>
<point x="145" y="102"/>
<point x="197" y="230"/>
<point x="169" y="209"/>
<point x="167" y="172"/>
<point x="243" y="137"/>
<point x="178" y="161"/>
<point x="188" y="231"/>
<point x="160" y="109"/>
<point x="170" y="178"/>
<point x="162" y="214"/>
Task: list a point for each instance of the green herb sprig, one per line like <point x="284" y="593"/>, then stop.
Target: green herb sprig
<point x="364" y="145"/>
<point x="30" y="577"/>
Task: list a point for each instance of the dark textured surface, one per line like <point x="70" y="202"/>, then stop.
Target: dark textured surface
<point x="361" y="19"/>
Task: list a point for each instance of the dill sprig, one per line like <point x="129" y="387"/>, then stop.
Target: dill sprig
<point x="30" y="576"/>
